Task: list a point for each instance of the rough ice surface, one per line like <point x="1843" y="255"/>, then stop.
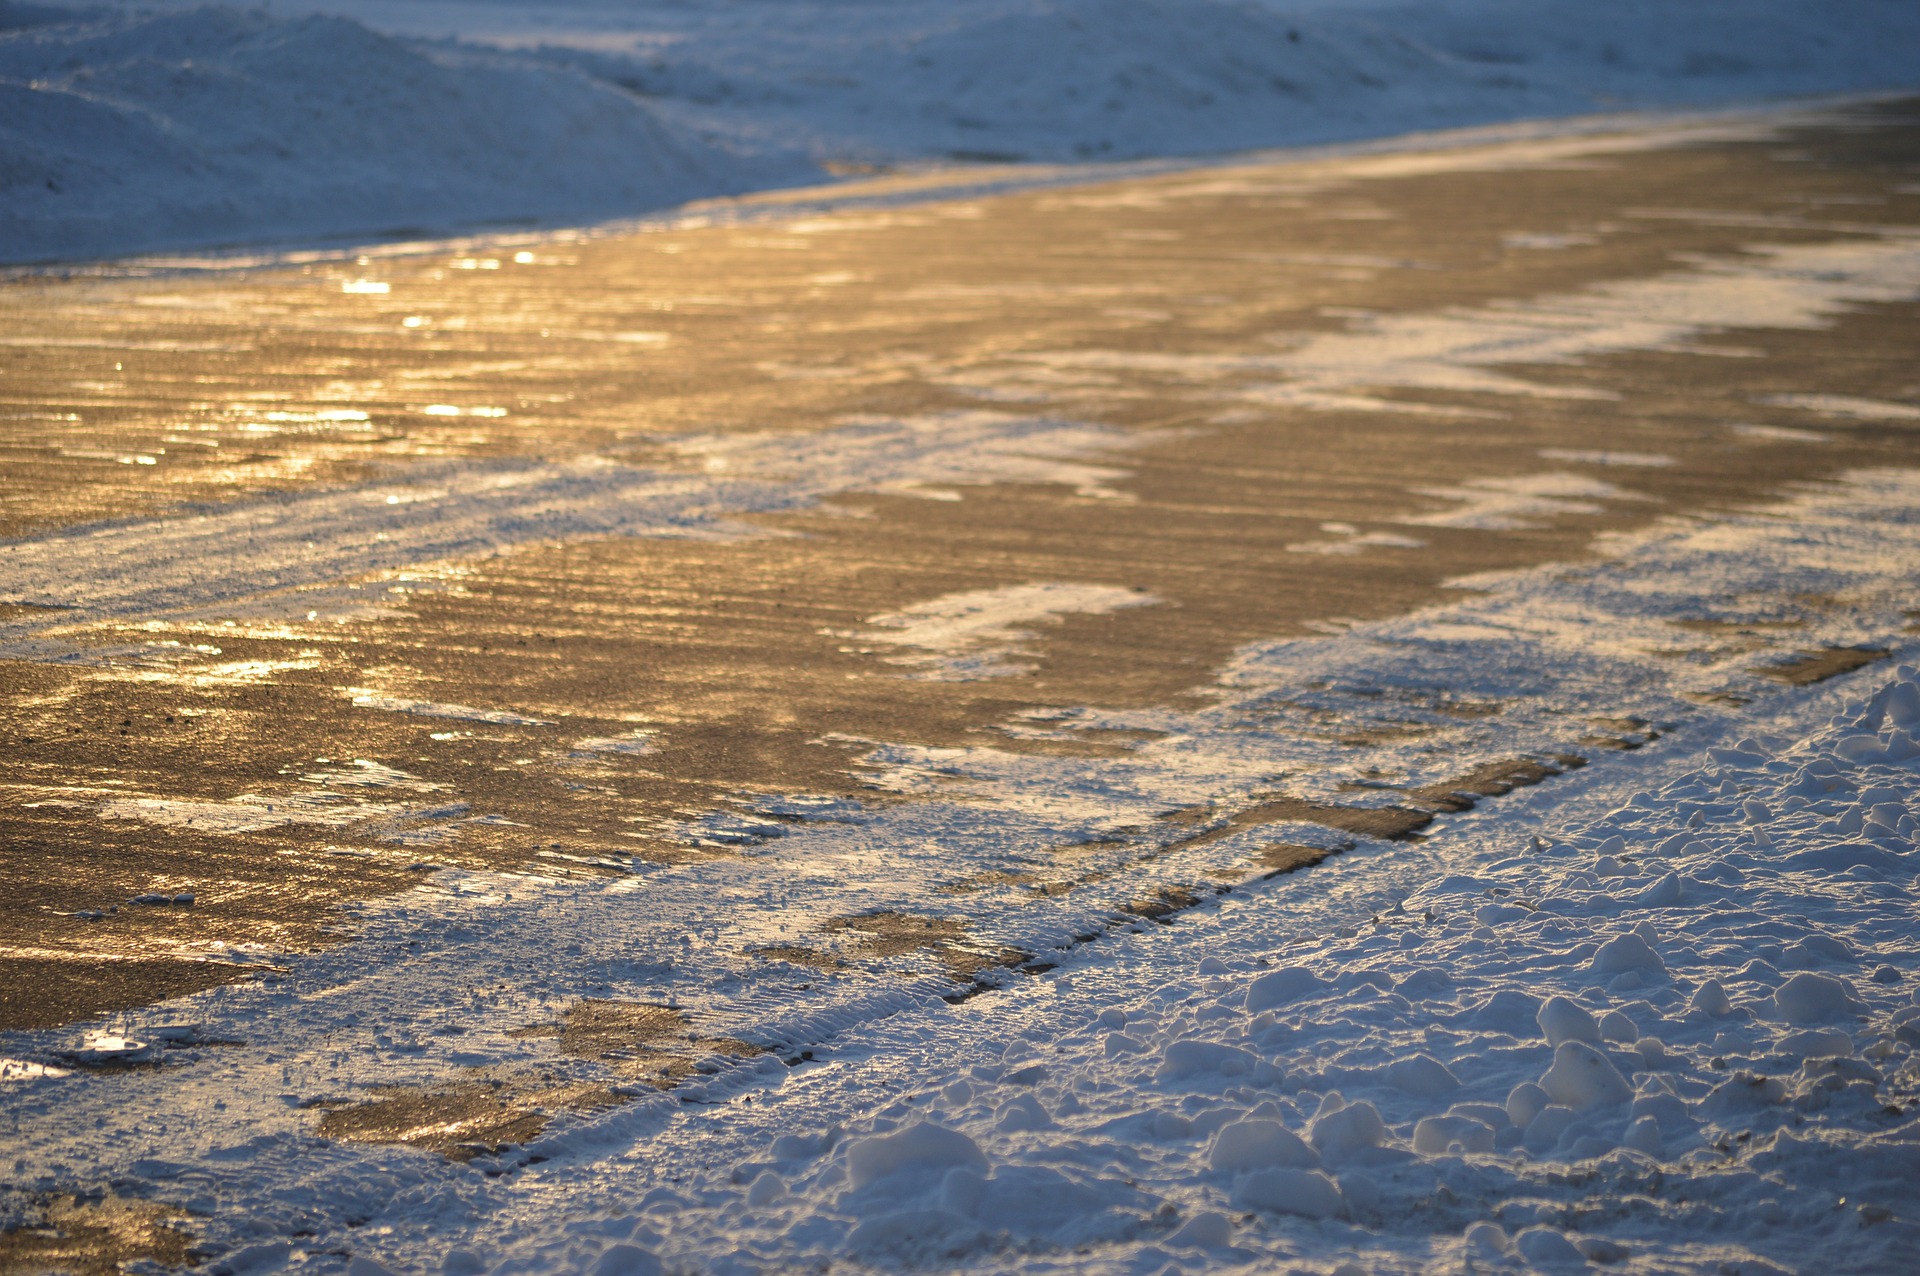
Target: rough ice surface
<point x="131" y="128"/>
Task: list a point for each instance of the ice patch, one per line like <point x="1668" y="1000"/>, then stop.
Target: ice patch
<point x="16" y="1070"/>
<point x="630" y="745"/>
<point x="1778" y="434"/>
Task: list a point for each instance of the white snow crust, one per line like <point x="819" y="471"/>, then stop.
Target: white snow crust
<point x="135" y="127"/>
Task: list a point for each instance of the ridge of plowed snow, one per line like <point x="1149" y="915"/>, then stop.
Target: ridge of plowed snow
<point x="125" y="133"/>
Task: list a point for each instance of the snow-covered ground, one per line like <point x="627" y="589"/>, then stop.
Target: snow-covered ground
<point x="1658" y="1012"/>
<point x="217" y="126"/>
<point x="144" y="126"/>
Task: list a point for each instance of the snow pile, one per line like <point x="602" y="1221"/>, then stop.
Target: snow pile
<point x="123" y="133"/>
<point x="1077" y="79"/>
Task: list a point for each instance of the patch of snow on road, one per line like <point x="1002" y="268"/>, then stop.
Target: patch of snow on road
<point x="1507" y="504"/>
<point x="323" y="807"/>
<point x="979" y="634"/>
<point x="1700" y="995"/>
<point x="1471" y="350"/>
<point x="1636" y="460"/>
<point x="433" y="709"/>
<point x="1846" y="405"/>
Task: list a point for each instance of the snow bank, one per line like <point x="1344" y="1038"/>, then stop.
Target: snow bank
<point x="209" y="126"/>
<point x="1077" y="79"/>
<point x="205" y="125"/>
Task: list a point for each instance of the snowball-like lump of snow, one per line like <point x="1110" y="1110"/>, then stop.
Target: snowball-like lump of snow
<point x="1544" y="1131"/>
<point x="1902" y="705"/>
<point x="1582" y="1077"/>
<point x="1816" y="1043"/>
<point x="918" y="1147"/>
<point x="1525" y="1102"/>
<point x="1563" y="1019"/>
<point x="1184" y="1058"/>
<point x="627" y="1260"/>
<point x="766" y="1189"/>
<point x="1615" y="1026"/>
<point x="1280" y="987"/>
<point x="1340" y="1131"/>
<point x="1023" y="1112"/>
<point x="1544" y="1247"/>
<point x="1668" y="892"/>
<point x="1309" y="1193"/>
<point x="1644" y="1136"/>
<point x="1489" y="1239"/>
<point x="1814" y="998"/>
<point x="1711" y="999"/>
<point x="1256" y="1144"/>
<point x="1438" y="1135"/>
<point x="1508" y="1010"/>
<point x="1627" y="952"/>
<point x="1422" y="1075"/>
<point x="1204" y="1231"/>
<point x="1862" y="749"/>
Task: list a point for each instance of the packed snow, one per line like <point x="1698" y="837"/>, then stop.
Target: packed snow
<point x="135" y="127"/>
